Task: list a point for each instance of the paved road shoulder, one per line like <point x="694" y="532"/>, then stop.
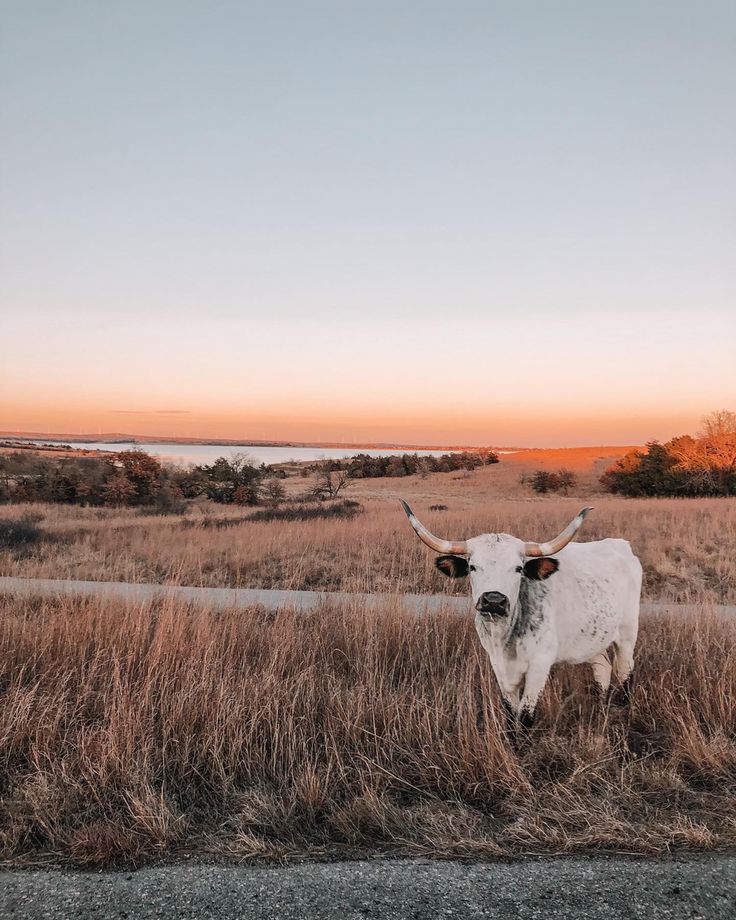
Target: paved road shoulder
<point x="270" y="599"/>
<point x="590" y="888"/>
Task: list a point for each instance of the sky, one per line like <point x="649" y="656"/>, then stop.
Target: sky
<point x="507" y="223"/>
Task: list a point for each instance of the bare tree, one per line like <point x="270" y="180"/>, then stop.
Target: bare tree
<point x="719" y="423"/>
<point x="330" y="483"/>
<point x="719" y="445"/>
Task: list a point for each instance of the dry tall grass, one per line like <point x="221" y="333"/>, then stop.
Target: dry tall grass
<point x="686" y="546"/>
<point x="130" y="733"/>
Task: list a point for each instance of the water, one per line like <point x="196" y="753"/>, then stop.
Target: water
<point x="183" y="454"/>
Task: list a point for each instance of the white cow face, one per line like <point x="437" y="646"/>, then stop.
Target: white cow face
<point x="496" y="565"/>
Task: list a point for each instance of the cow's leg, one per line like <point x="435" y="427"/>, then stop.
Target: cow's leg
<point x="623" y="667"/>
<point x="536" y="678"/>
<point x="601" y="665"/>
<point x="509" y="684"/>
<point x="510" y="701"/>
<point x="510" y="696"/>
<point x="509" y="711"/>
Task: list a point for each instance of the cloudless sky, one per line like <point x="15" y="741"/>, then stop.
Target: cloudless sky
<point x="445" y="222"/>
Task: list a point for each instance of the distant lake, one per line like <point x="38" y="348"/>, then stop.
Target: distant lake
<point x="183" y="454"/>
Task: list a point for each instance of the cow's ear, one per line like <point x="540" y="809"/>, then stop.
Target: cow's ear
<point x="541" y="568"/>
<point x="452" y="566"/>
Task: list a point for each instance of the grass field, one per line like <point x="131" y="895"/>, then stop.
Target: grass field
<point x="133" y="733"/>
<point x="686" y="546"/>
<point x="129" y="733"/>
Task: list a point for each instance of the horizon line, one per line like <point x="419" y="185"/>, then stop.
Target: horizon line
<point x="261" y="442"/>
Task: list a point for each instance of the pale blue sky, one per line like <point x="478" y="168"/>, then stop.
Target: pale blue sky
<point x="220" y="207"/>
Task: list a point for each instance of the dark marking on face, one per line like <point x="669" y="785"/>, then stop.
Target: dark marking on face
<point x="540" y="568"/>
<point x="530" y="610"/>
<point x="452" y="566"/>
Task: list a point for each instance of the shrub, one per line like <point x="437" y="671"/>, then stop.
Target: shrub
<point x="541" y="481"/>
<point x="21" y="535"/>
<point x="232" y="481"/>
<point x="213" y="523"/>
<point x="273" y="493"/>
<point x="168" y="499"/>
<point x="142" y="471"/>
<point x="342" y="509"/>
<point x="684" y="466"/>
<point x="118" y="490"/>
<point x="561" y="480"/>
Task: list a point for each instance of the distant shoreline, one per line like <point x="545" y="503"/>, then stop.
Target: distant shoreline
<point x="56" y="438"/>
<point x="119" y="438"/>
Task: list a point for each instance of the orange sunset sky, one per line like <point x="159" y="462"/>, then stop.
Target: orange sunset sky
<point x="418" y="223"/>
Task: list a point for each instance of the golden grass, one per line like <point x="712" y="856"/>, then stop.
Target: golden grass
<point x="128" y="733"/>
<point x="134" y="732"/>
<point x="686" y="546"/>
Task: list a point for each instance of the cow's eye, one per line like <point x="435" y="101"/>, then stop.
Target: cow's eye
<point x="519" y="568"/>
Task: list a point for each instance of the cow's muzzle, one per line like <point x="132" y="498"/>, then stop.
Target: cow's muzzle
<point x="493" y="604"/>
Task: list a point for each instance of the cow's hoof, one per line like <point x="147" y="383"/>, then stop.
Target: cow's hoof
<point x="621" y="695"/>
<point x="527" y="718"/>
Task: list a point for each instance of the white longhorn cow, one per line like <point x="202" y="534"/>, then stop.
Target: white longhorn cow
<point x="533" y="611"/>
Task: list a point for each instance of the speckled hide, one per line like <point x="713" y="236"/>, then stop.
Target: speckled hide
<point x="573" y="613"/>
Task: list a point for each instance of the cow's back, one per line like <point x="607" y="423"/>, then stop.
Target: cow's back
<point x="593" y="596"/>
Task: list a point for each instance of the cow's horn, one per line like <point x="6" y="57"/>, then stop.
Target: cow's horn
<point x="560" y="541"/>
<point x="439" y="546"/>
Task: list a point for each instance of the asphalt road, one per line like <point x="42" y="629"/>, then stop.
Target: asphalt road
<point x="569" y="888"/>
<point x="224" y="598"/>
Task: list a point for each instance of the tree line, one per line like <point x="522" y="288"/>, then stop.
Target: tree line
<point x="684" y="466"/>
<point x="364" y="466"/>
<point x="133" y="478"/>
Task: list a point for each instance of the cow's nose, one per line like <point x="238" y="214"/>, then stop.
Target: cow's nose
<point x="493" y="602"/>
